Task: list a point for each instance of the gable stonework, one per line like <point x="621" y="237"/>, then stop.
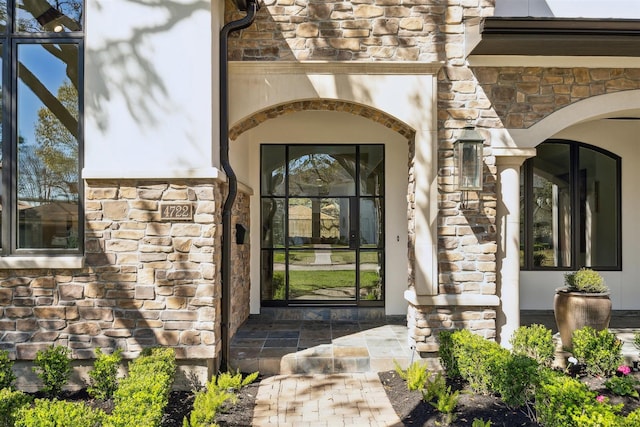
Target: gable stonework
<point x="394" y="30"/>
<point x="522" y="96"/>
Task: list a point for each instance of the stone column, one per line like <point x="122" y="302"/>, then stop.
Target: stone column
<point x="508" y="161"/>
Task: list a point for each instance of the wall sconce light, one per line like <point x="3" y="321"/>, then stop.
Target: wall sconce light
<point x="467" y="155"/>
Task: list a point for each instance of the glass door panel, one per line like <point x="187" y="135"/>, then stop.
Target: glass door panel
<point x="371" y="277"/>
<point x="316" y="225"/>
<point x="322" y="274"/>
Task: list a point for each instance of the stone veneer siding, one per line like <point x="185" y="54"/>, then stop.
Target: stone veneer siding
<point x="146" y="281"/>
<point x="400" y="30"/>
<point x="240" y="263"/>
<point x="522" y="96"/>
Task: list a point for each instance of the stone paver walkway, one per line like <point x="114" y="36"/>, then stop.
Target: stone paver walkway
<point x="324" y="400"/>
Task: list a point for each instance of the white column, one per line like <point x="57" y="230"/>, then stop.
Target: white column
<point x="508" y="162"/>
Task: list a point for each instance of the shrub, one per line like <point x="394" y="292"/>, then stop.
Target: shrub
<point x="434" y="387"/>
<point x="515" y="378"/>
<point x="475" y="358"/>
<point x="446" y="352"/>
<point x="141" y="397"/>
<point x="446" y="403"/>
<point x="632" y="419"/>
<point x="7" y="377"/>
<point x="218" y="391"/>
<point x="600" y="352"/>
<point x="585" y="280"/>
<point x="103" y="376"/>
<point x="534" y="341"/>
<point x="478" y="422"/>
<point x="563" y="401"/>
<point x="53" y="367"/>
<point x="233" y="382"/>
<point x="53" y="413"/>
<point x="10" y="402"/>
<point x="415" y="375"/>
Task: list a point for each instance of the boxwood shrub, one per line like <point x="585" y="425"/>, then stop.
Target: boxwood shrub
<point x="53" y="413"/>
<point x="10" y="402"/>
<point x="142" y="396"/>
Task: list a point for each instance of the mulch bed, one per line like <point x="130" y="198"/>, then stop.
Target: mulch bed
<point x="414" y="412"/>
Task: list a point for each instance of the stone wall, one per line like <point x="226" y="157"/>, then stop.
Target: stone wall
<point x="522" y="96"/>
<point x="146" y="281"/>
<point x="240" y="262"/>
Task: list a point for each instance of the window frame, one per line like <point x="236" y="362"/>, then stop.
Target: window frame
<point x="357" y="195"/>
<point x="10" y="39"/>
<point x="526" y="223"/>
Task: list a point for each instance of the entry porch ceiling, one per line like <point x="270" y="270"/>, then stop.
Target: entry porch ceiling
<point x="559" y="37"/>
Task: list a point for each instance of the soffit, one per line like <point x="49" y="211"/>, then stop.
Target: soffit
<point x="559" y="37"/>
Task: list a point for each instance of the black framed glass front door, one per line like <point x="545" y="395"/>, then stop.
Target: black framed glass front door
<point x="322" y="216"/>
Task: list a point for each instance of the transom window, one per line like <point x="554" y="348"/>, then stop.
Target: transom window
<point x="570" y="208"/>
<point x="41" y="42"/>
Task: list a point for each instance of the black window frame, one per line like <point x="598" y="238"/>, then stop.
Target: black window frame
<point x="527" y="208"/>
<point x="357" y="301"/>
<point x="10" y="39"/>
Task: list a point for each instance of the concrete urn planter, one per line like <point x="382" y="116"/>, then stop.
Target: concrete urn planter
<point x="575" y="310"/>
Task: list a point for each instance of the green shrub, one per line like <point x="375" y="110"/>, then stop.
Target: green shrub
<point x="54" y="413"/>
<point x="7" y="377"/>
<point x="478" y="422"/>
<point x="534" y="341"/>
<point x="446" y="403"/>
<point x="563" y="401"/>
<point x="585" y="280"/>
<point x="415" y="375"/>
<point x="233" y="382"/>
<point x="141" y="397"/>
<point x="515" y="378"/>
<point x="434" y="387"/>
<point x="53" y="367"/>
<point x="476" y="358"/>
<point x="219" y="390"/>
<point x="600" y="352"/>
<point x="206" y="406"/>
<point x="446" y="352"/>
<point x="632" y="419"/>
<point x="103" y="376"/>
<point x="10" y="402"/>
<point x="624" y="385"/>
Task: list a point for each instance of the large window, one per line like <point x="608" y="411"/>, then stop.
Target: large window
<point x="41" y="44"/>
<point x="570" y="208"/>
<point x="322" y="224"/>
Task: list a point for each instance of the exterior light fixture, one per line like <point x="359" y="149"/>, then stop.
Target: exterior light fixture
<point x="467" y="155"/>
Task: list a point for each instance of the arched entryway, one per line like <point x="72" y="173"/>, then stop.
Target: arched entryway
<point x="329" y="210"/>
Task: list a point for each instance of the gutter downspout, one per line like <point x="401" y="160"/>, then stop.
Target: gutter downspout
<point x="251" y="8"/>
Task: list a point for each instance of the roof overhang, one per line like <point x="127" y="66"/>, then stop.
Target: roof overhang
<point x="558" y="37"/>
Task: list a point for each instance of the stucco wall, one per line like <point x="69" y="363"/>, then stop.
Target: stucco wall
<point x="619" y="137"/>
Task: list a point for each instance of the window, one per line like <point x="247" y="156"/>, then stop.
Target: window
<point x="322" y="224"/>
<point x="570" y="208"/>
<point x="41" y="44"/>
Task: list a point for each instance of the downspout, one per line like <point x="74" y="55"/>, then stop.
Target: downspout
<point x="251" y="6"/>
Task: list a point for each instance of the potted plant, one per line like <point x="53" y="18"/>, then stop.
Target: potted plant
<point x="583" y="301"/>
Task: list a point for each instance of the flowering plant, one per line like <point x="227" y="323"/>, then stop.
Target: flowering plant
<point x="623" y="384"/>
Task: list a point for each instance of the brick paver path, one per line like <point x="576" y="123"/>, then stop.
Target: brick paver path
<point x="323" y="400"/>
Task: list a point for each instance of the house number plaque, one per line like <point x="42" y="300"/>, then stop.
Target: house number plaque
<point x="176" y="211"/>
